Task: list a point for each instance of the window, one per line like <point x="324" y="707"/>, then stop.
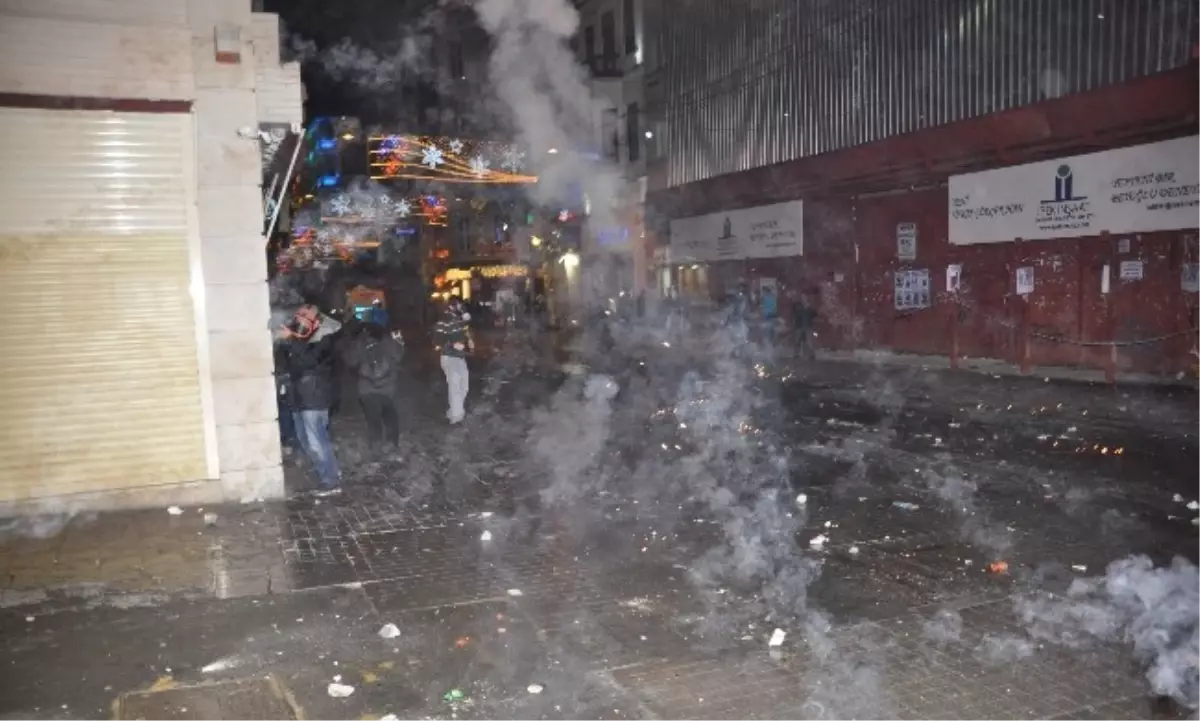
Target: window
<point x="609" y="140"/>
<point x="633" y="131"/>
<point x="608" y="38"/>
<point x="456" y="61"/>
<point x="589" y="45"/>
<point x="629" y="24"/>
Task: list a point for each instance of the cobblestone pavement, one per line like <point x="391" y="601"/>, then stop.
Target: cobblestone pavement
<point x="527" y="583"/>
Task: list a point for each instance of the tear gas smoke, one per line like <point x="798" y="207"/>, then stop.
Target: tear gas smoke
<point x="1154" y="608"/>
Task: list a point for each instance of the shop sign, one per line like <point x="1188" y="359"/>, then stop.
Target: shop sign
<point x="1144" y="188"/>
<point x="766" y="231"/>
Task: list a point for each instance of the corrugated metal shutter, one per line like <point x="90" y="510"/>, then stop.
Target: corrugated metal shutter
<point x="99" y="379"/>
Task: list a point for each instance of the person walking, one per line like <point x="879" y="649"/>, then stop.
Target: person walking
<point x="770" y="314"/>
<point x="804" y="317"/>
<point x="375" y="358"/>
<point x="310" y="356"/>
<point x="453" y="335"/>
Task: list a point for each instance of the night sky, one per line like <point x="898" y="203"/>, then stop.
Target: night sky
<point x="374" y="25"/>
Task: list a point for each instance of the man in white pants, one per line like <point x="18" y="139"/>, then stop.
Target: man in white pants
<point x="454" y="336"/>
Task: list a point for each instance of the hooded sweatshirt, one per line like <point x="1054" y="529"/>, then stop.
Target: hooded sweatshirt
<point x="310" y="366"/>
<point x="451" y="331"/>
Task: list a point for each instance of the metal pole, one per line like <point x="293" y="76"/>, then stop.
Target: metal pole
<point x="287" y="179"/>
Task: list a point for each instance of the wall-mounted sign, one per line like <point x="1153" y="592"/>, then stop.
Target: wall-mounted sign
<point x="912" y="289"/>
<point x="1131" y="270"/>
<point x="1139" y="189"/>
<point x="1123" y="245"/>
<point x="767" y="231"/>
<point x="953" y="277"/>
<point x="906" y="241"/>
<point x="1025" y="280"/>
<point x="1189" y="279"/>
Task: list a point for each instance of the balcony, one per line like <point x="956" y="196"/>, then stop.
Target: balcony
<point x="607" y="66"/>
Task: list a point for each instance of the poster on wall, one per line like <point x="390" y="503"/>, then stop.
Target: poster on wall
<point x="953" y="277"/>
<point x="766" y="231"/>
<point x="1131" y="270"/>
<point x="912" y="289"/>
<point x="1139" y="189"/>
<point x="906" y="241"/>
<point x="1025" y="280"/>
<point x="1189" y="279"/>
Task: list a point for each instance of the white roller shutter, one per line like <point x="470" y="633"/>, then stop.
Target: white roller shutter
<point x="100" y="386"/>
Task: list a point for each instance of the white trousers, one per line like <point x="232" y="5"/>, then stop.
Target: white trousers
<point x="457" y="382"/>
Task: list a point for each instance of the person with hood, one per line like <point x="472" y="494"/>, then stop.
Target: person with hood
<point x="310" y="361"/>
<point x="375" y="358"/>
<point x="453" y="335"/>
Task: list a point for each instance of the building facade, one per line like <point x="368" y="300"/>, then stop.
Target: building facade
<point x="835" y="149"/>
<point x="132" y="265"/>
<point x="610" y="46"/>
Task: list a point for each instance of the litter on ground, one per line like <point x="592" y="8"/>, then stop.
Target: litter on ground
<point x="777" y="638"/>
<point x="175" y="511"/>
<point x="339" y="690"/>
<point x="389" y="630"/>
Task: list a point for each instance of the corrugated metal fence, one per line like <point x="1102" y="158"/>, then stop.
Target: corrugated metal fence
<point x="747" y="83"/>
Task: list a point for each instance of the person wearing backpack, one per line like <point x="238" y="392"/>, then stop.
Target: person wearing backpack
<point x="376" y="360"/>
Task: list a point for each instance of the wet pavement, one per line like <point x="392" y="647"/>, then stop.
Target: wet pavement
<point x="564" y="554"/>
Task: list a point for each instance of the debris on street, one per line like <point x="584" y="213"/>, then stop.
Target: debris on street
<point x="339" y="690"/>
<point x="818" y="541"/>
<point x="453" y="695"/>
<point x="210" y="519"/>
<point x="802" y="499"/>
<point x="905" y="505"/>
<point x="1079" y="567"/>
<point x="389" y="630"/>
<point x="175" y="511"/>
<point x="777" y="638"/>
<point x="535" y="688"/>
<point x="485" y="536"/>
<point x="998" y="567"/>
<point x="515" y="592"/>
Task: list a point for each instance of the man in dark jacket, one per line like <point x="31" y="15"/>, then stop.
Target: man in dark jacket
<point x="376" y="357"/>
<point x="310" y="356"/>
<point x="452" y="334"/>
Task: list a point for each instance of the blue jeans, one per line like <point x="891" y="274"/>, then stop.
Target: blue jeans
<point x="312" y="429"/>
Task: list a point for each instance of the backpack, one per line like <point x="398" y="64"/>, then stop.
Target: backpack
<point x="377" y="364"/>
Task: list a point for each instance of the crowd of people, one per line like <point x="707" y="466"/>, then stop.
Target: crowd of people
<point x="313" y="350"/>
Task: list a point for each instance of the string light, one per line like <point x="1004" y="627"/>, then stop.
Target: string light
<point x="462" y="161"/>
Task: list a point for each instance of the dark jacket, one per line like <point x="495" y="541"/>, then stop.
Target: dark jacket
<point x="451" y="330"/>
<point x="310" y="368"/>
<point x="376" y="357"/>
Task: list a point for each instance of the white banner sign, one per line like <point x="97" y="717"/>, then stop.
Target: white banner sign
<point x="906" y="241"/>
<point x="767" y="231"/>
<point x="1132" y="190"/>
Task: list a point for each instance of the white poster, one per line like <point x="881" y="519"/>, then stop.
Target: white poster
<point x="766" y="231"/>
<point x="1131" y="270"/>
<point x="953" y="277"/>
<point x="912" y="289"/>
<point x="1189" y="279"/>
<point x="906" y="241"/>
<point x="1131" y="190"/>
<point x="1025" y="280"/>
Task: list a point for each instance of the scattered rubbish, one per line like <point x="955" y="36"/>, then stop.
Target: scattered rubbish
<point x="389" y="717"/>
<point x="462" y="642"/>
<point x="515" y="592"/>
<point x="777" y="638"/>
<point x="1193" y="505"/>
<point x="818" y="541"/>
<point x="854" y="550"/>
<point x="535" y="688"/>
<point x="29" y="619"/>
<point x="969" y="562"/>
<point x="998" y="567"/>
<point x="369" y="677"/>
<point x="453" y="695"/>
<point x="175" y="511"/>
<point x="485" y="536"/>
<point x="339" y="690"/>
<point x="1196" y="521"/>
<point x="905" y="505"/>
<point x="337" y="678"/>
<point x="223" y="664"/>
<point x="485" y="514"/>
<point x="1080" y="567"/>
<point x="389" y="630"/>
<point x="801" y="499"/>
<point x="210" y="519"/>
<point x="1178" y="498"/>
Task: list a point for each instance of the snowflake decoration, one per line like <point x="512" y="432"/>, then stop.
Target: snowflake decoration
<point x="403" y="208"/>
<point x="479" y="165"/>
<point x="339" y="205"/>
<point x="385" y="205"/>
<point x="512" y="159"/>
<point x="432" y="156"/>
<point x="456" y="146"/>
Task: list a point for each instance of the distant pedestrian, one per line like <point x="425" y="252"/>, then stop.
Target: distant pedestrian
<point x="310" y="361"/>
<point x="453" y="335"/>
<point x="375" y="357"/>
